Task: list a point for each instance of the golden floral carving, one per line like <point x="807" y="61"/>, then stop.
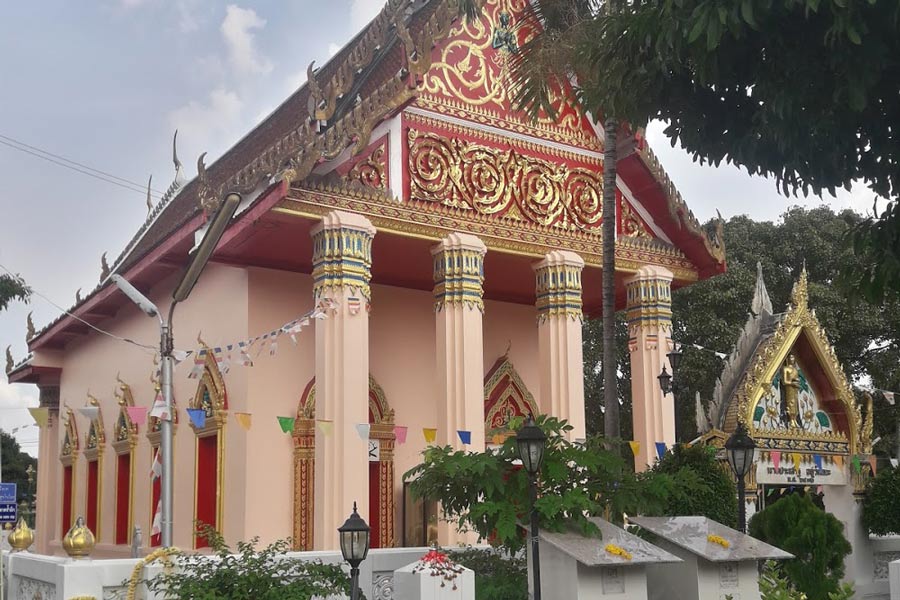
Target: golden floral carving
<point x="470" y="176"/>
<point x="370" y="172"/>
<point x="632" y="226"/>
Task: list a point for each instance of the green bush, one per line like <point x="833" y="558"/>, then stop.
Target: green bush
<point x="716" y="500"/>
<point x="813" y="536"/>
<point x="881" y="507"/>
<point x="248" y="573"/>
<point x="773" y="586"/>
<point x="497" y="576"/>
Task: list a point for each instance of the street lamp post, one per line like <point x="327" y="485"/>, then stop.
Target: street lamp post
<point x="531" y="442"/>
<point x="740" y="448"/>
<point x="354" y="538"/>
<point x="667" y="382"/>
<point x="199" y="260"/>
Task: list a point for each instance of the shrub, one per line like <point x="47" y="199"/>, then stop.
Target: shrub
<point x="881" y="507"/>
<point x="773" y="586"/>
<point x="248" y="573"/>
<point x="813" y="536"/>
<point x="497" y="576"/>
<point x="716" y="500"/>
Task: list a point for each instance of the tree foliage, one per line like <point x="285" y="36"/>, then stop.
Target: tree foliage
<point x="717" y="499"/>
<point x="881" y="506"/>
<point x="487" y="493"/>
<point x="813" y="536"/>
<point x="497" y="576"/>
<point x="15" y="466"/>
<point x="12" y="288"/>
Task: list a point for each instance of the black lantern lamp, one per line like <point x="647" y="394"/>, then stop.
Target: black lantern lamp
<point x="354" y="536"/>
<point x="532" y="441"/>
<point x="665" y="381"/>
<point x="674" y="357"/>
<point x="740" y="448"/>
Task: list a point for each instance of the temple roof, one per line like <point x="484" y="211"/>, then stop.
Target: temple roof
<point x="373" y="77"/>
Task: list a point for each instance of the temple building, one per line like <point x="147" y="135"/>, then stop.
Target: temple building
<point x="410" y="264"/>
<point x="784" y="382"/>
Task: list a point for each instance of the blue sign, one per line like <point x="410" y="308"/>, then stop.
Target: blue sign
<point x="9" y="512"/>
<point x="8" y="492"/>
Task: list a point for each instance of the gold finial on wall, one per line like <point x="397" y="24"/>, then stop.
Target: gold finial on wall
<point x="79" y="541"/>
<point x="21" y="537"/>
<point x="30" y="327"/>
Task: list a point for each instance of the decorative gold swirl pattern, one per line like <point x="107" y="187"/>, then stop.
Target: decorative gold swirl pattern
<point x="469" y="176"/>
<point x="631" y="223"/>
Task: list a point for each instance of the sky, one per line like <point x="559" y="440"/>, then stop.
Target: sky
<point x="106" y="83"/>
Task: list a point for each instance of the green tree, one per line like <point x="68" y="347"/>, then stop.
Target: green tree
<point x="813" y="536"/>
<point x="12" y="288"/>
<point x="716" y="500"/>
<point x="881" y="506"/>
<point x="15" y="466"/>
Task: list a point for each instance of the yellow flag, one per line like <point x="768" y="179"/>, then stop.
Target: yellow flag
<point x="839" y="460"/>
<point x="430" y="434"/>
<point x="326" y="427"/>
<point x="41" y="415"/>
<point x="796" y="458"/>
<point x="635" y="447"/>
<point x="243" y="420"/>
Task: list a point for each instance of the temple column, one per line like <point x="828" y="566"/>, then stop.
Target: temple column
<point x="48" y="485"/>
<point x="342" y="260"/>
<point x="458" y="277"/>
<point x="649" y="302"/>
<point x="558" y="293"/>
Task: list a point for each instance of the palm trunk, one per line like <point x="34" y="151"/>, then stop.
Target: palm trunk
<point x="610" y="389"/>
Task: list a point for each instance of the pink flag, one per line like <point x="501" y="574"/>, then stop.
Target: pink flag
<point x="137" y="414"/>
<point x="776" y="458"/>
<point x="400" y="434"/>
<point x="873" y="460"/>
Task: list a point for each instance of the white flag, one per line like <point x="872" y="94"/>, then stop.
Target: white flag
<point x="894" y="462"/>
<point x="89" y="412"/>
<point x="156" y="468"/>
<point x="156" y="528"/>
<point x="889" y="396"/>
<point x="159" y="409"/>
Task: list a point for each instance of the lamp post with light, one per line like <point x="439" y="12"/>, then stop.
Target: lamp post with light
<point x="667" y="382"/>
<point x="740" y="448"/>
<point x="531" y="441"/>
<point x="354" y="538"/>
<point x="199" y="260"/>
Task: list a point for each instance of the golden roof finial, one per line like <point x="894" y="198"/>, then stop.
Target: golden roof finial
<point x="30" y="325"/>
<point x="10" y="363"/>
<point x="800" y="292"/>
<point x="104" y="267"/>
<point x="200" y="339"/>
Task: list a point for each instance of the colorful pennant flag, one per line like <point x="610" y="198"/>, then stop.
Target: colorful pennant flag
<point x="873" y="462"/>
<point x="894" y="462"/>
<point x="156" y="467"/>
<point x="660" y="449"/>
<point x="795" y="457"/>
<point x="464" y="436"/>
<point x="635" y="447"/>
<point x="856" y="464"/>
<point x="197" y="369"/>
<point x="363" y="430"/>
<point x="198" y="417"/>
<point x="89" y="412"/>
<point x="889" y="396"/>
<point x="159" y="408"/>
<point x="400" y="434"/>
<point x="838" y="460"/>
<point x="137" y="414"/>
<point x="326" y="427"/>
<point x="430" y="434"/>
<point x="41" y="415"/>
<point x="243" y="420"/>
<point x="817" y="459"/>
<point x="776" y="458"/>
<point x="286" y="423"/>
<point x="156" y="526"/>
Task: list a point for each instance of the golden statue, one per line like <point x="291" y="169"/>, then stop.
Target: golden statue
<point x="790" y="392"/>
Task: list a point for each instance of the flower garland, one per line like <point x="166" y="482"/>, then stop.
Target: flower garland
<point x="618" y="551"/>
<point x="439" y="565"/>
<point x="715" y="539"/>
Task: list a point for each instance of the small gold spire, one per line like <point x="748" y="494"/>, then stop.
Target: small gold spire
<point x="79" y="541"/>
<point x="30" y="325"/>
<point x="21" y="537"/>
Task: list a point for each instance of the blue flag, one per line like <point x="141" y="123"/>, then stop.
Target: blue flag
<point x="660" y="449"/>
<point x="818" y="460"/>
<point x="465" y="436"/>
<point x="198" y="417"/>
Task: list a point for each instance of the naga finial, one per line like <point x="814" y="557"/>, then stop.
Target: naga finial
<point x="180" y="178"/>
<point x="10" y="363"/>
<point x="200" y="339"/>
<point x="206" y="194"/>
<point x="104" y="267"/>
<point x="78" y="295"/>
<point x="30" y="327"/>
<point x="149" y="199"/>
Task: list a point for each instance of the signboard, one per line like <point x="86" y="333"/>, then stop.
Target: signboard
<point x="829" y="473"/>
<point x="374" y="450"/>
<point x="7" y="492"/>
<point x="9" y="512"/>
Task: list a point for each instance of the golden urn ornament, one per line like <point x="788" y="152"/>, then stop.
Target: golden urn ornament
<point x="79" y="542"/>
<point x="21" y="537"/>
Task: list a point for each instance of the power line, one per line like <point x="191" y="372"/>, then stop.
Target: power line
<point x="84" y="171"/>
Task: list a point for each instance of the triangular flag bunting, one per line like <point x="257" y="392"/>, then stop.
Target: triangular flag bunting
<point x="156" y="526"/>
<point x="400" y="434"/>
<point x="159" y="408"/>
<point x="795" y="457"/>
<point x="660" y="449"/>
<point x="286" y="423"/>
<point x="889" y="396"/>
<point x="363" y="430"/>
<point x="89" y="412"/>
<point x="430" y="434"/>
<point x="894" y="462"/>
<point x="326" y="427"/>
<point x="198" y="417"/>
<point x="137" y="414"/>
<point x="635" y="447"/>
<point x="817" y="459"/>
<point x="156" y="467"/>
<point x="873" y="462"/>
<point x="243" y="420"/>
<point x="856" y="464"/>
<point x="776" y="459"/>
<point x="838" y="460"/>
<point x="464" y="436"/>
<point x="41" y="415"/>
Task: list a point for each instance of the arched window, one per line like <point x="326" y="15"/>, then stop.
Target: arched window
<point x="212" y="399"/>
<point x="94" y="445"/>
<point x="124" y="442"/>
<point x="68" y="456"/>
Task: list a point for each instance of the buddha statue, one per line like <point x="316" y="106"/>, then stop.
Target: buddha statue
<point x="790" y="393"/>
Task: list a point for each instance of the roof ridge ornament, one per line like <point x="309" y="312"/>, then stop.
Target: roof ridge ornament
<point x="104" y="267"/>
<point x="800" y="291"/>
<point x="180" y="178"/>
<point x="149" y="200"/>
<point x="30" y="327"/>
<point x="761" y="302"/>
<point x="10" y="363"/>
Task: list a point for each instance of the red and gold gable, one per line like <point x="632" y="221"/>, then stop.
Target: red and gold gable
<point x="469" y="79"/>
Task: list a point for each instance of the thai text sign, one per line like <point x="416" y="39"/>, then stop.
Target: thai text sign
<point x="787" y="472"/>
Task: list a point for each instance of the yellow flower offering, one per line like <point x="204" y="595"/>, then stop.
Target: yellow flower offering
<point x="618" y="551"/>
<point x="715" y="539"/>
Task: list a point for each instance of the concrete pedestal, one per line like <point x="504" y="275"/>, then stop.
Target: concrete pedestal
<point x="416" y="582"/>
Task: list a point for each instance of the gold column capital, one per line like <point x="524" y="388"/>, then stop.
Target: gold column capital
<point x="342" y="253"/>
<point x="649" y="298"/>
<point x="458" y="262"/>
<point x="558" y="285"/>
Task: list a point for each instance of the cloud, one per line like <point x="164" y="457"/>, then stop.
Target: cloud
<point x="209" y="123"/>
<point x="363" y="11"/>
<point x="133" y="3"/>
<point x="237" y="29"/>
